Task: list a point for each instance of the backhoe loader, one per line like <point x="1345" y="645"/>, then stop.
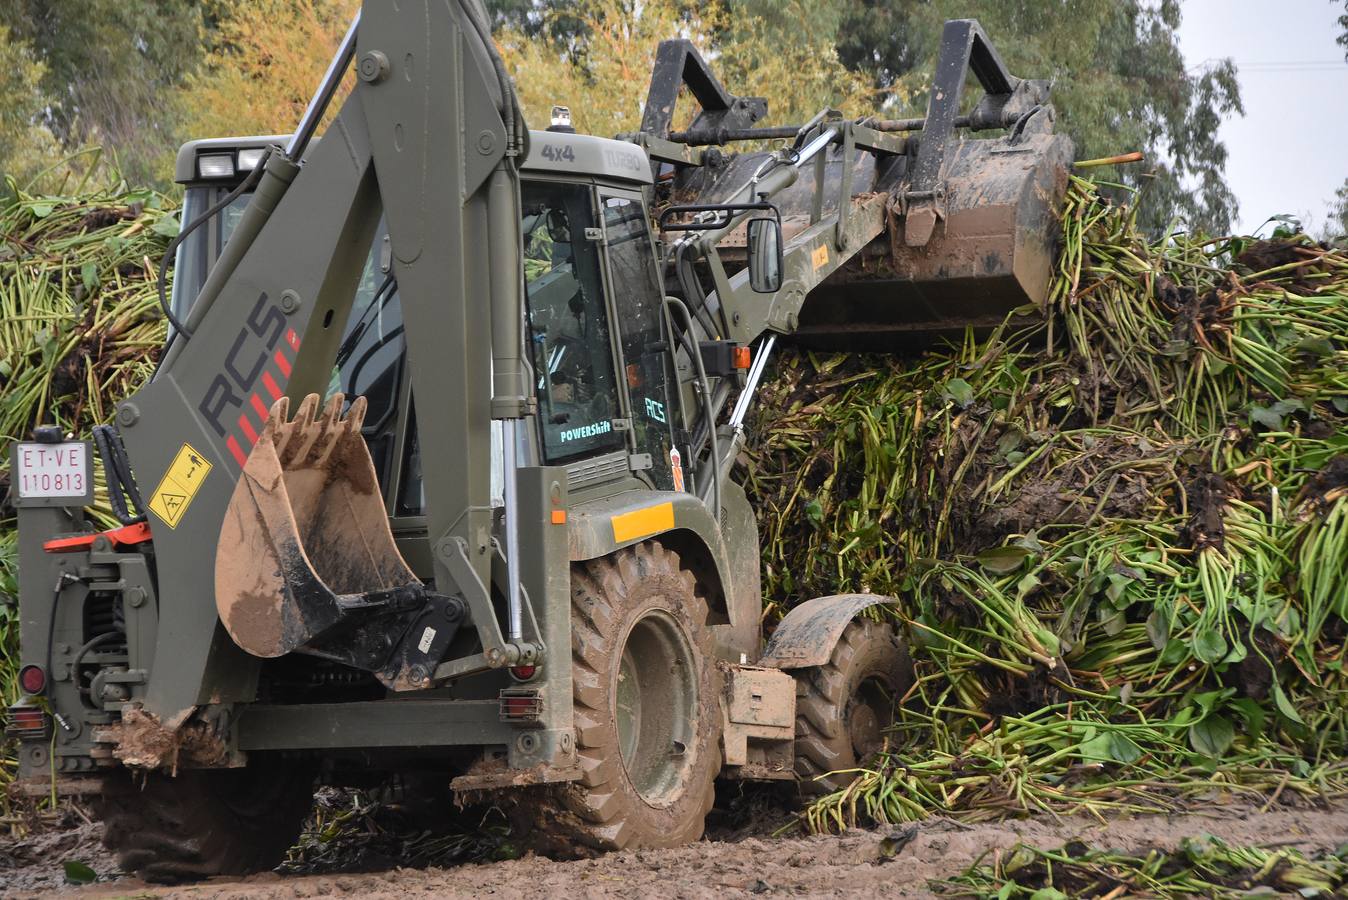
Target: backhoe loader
<point x="435" y="479"/>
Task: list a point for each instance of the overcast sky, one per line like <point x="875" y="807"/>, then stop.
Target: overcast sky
<point x="1289" y="152"/>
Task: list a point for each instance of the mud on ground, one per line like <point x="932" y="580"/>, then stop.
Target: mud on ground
<point x="886" y="862"/>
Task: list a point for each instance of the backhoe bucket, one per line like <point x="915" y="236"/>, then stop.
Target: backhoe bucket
<point x="306" y="561"/>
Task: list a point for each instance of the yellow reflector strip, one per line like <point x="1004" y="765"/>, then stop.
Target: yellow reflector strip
<point x="642" y="522"/>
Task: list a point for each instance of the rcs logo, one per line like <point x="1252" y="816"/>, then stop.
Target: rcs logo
<point x="243" y="364"/>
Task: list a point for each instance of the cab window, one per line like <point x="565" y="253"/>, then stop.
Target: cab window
<point x="638" y="302"/>
<point x="569" y="336"/>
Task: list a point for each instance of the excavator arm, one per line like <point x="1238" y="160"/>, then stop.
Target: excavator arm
<point x="428" y="139"/>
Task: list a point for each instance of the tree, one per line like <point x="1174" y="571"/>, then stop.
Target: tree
<point x="109" y="70"/>
<point x="263" y="62"/>
<point x="1336" y="228"/>
<point x="599" y="60"/>
<point x="24" y="141"/>
<point x="1120" y="81"/>
<point x="1343" y="23"/>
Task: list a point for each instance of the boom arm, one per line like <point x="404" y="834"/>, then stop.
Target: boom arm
<point x="429" y="139"/>
<point x="839" y="187"/>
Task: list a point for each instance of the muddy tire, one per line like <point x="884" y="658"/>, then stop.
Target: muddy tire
<point x="843" y="706"/>
<point x="203" y="823"/>
<point x="646" y="710"/>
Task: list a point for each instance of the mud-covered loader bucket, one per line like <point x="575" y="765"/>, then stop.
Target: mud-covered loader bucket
<point x="990" y="252"/>
<point x="306" y="561"/>
<point x="970" y="229"/>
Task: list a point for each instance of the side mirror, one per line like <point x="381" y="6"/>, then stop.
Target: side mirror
<point x="765" y="255"/>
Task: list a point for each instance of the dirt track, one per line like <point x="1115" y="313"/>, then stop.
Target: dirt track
<point x="855" y="864"/>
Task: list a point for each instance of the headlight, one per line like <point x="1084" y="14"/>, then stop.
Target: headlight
<point x="216" y="165"/>
<point x="248" y="159"/>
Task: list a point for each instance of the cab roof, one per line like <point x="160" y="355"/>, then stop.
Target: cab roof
<point x="551" y="152"/>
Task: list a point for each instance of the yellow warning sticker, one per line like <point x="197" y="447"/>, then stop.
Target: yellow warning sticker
<point x="819" y="257"/>
<point x="179" y="485"/>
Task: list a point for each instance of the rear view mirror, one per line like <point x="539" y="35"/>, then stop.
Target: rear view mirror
<point x="765" y="255"/>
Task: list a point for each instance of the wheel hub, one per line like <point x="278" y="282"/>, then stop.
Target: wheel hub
<point x="869" y="713"/>
<point x="656" y="706"/>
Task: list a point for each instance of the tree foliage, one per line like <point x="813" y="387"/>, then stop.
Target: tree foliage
<point x="139" y="76"/>
<point x="262" y="64"/>
<point x="1119" y="81"/>
<point x="1336" y="228"/>
<point x="109" y="69"/>
<point x="596" y="56"/>
<point x="24" y="142"/>
<point x="1343" y="35"/>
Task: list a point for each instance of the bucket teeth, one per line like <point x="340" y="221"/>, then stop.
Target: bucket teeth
<point x="309" y="440"/>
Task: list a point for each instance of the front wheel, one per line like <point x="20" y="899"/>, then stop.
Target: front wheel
<point x="646" y="710"/>
<point x="844" y="706"/>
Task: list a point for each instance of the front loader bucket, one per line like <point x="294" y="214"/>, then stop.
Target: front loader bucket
<point x="306" y="560"/>
<point x="991" y="252"/>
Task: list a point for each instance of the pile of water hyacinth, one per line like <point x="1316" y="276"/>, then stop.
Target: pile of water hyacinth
<point x="79" y="330"/>
<point x="1199" y="867"/>
<point x="1117" y="529"/>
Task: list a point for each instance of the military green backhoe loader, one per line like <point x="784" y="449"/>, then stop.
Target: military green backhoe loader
<point x="435" y="478"/>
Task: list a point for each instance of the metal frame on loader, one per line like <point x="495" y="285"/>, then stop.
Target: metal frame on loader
<point x="518" y="559"/>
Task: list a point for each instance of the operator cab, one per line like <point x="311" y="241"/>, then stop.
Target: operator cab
<point x="596" y="328"/>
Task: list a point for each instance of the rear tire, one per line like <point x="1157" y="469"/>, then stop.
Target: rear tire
<point x="205" y="822"/>
<point x="647" y="711"/>
<point x="843" y="706"/>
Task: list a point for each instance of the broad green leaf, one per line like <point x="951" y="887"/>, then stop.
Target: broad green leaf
<point x="1208" y="645"/>
<point x="1208" y="700"/>
<point x="1175" y="651"/>
<point x="1003" y="560"/>
<point x="1212" y="736"/>
<point x="1158" y="629"/>
<point x="1112" y="620"/>
<point x="1008" y="442"/>
<point x="814" y="511"/>
<point x="959" y="390"/>
<point x="1110" y="746"/>
<point x="78" y="872"/>
<point x="167" y="226"/>
<point x="1118" y="586"/>
<point x="1284" y="705"/>
<point x="1252" y="713"/>
<point x="1048" y="893"/>
<point x="1264" y="415"/>
<point x="42" y="210"/>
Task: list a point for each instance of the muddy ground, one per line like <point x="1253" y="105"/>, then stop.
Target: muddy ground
<point x="895" y="862"/>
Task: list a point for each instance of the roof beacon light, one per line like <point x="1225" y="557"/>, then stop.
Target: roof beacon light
<point x="561" y="120"/>
<point x="216" y="165"/>
<point x="248" y="159"/>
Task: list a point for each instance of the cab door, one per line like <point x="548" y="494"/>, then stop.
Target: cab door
<point x="634" y="284"/>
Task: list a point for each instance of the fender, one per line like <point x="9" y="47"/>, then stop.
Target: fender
<point x="599" y="527"/>
<point x="808" y="633"/>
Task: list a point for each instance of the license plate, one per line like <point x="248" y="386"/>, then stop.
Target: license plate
<point x="42" y="473"/>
